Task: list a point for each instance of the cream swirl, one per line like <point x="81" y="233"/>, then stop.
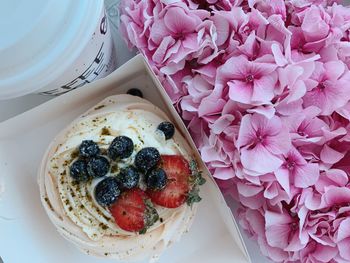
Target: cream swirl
<point x="72" y="207"/>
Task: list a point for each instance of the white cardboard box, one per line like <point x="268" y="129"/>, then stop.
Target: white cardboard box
<point x="27" y="235"/>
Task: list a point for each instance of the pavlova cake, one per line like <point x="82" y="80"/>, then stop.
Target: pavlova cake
<point x="120" y="181"/>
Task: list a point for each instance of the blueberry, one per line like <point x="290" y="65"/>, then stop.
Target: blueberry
<point x="167" y="128"/>
<point x="88" y="149"/>
<point x="146" y="159"/>
<point x="78" y="171"/>
<point x="98" y="166"/>
<point x="107" y="191"/>
<point x="128" y="177"/>
<point x="156" y="179"/>
<point x="135" y="92"/>
<point x="120" y="148"/>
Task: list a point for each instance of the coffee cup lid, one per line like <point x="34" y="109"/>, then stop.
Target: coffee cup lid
<point x="39" y="39"/>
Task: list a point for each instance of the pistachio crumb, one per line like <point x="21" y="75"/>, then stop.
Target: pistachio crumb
<point x="105" y="131"/>
<point x="114" y="168"/>
<point x="74" y="154"/>
<point x="99" y="107"/>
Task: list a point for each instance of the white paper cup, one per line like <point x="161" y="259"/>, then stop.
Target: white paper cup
<point x="53" y="46"/>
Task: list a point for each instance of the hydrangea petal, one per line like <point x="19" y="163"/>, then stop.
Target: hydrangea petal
<point x="260" y="160"/>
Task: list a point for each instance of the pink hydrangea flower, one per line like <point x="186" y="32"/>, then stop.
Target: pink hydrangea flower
<point x="219" y="152"/>
<point x="297" y="171"/>
<point x="327" y="224"/>
<point x="253" y="221"/>
<point x="172" y="37"/>
<point x="307" y="3"/>
<point x="271" y="7"/>
<point x="262" y="142"/>
<point x="135" y="21"/>
<point x="248" y="82"/>
<point x="316" y="252"/>
<point x="315" y="26"/>
<point x="327" y="88"/>
<point x="214" y="4"/>
<point x="282" y="231"/>
<point x="264" y="89"/>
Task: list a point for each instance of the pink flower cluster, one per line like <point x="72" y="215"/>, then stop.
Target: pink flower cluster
<point x="264" y="88"/>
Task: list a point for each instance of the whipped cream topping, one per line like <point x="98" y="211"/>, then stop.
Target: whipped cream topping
<point x="72" y="207"/>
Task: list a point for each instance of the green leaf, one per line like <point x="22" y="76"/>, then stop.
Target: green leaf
<point x="143" y="231"/>
<point x="151" y="213"/>
<point x="151" y="216"/>
<point x="196" y="179"/>
<point x="193" y="197"/>
<point x="201" y="181"/>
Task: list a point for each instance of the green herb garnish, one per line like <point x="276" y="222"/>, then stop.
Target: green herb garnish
<point x="196" y="179"/>
<point x="151" y="216"/>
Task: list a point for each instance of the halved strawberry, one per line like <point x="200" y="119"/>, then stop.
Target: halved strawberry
<point x="133" y="211"/>
<point x="175" y="192"/>
<point x="129" y="210"/>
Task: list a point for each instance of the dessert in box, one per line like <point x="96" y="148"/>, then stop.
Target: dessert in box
<point x="121" y="181"/>
<point x="25" y="222"/>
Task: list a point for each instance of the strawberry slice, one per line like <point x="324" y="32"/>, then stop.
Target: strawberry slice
<point x="129" y="210"/>
<point x="133" y="211"/>
<point x="175" y="192"/>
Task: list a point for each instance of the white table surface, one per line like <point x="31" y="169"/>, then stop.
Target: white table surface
<point x="13" y="107"/>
